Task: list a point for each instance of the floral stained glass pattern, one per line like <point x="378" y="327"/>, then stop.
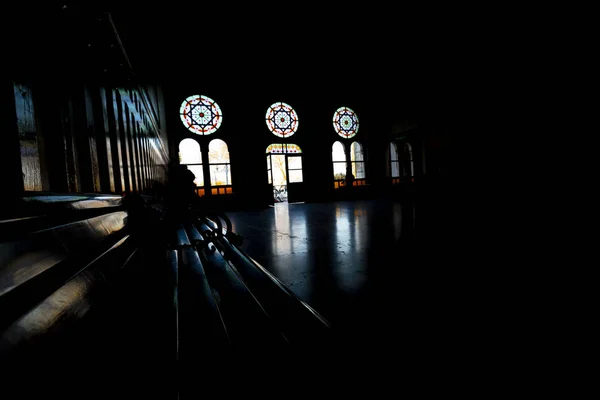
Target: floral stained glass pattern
<point x="282" y="119"/>
<point x="287" y="148"/>
<point x="345" y="122"/>
<point x="201" y="114"/>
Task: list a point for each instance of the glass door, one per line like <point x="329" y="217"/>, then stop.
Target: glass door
<point x="270" y="179"/>
<point x="279" y="176"/>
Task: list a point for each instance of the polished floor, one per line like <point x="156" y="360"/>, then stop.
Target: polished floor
<point x="385" y="274"/>
<point x="345" y="259"/>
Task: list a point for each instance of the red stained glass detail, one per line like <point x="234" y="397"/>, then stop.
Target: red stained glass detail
<point x="209" y="110"/>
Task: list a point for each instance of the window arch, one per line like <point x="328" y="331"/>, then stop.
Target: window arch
<point x="191" y="156"/>
<point x="285" y="148"/>
<point x="220" y="167"/>
<point x="338" y="156"/>
<point x="357" y="160"/>
<point x="394" y="163"/>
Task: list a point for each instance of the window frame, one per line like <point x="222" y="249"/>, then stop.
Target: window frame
<point x="358" y="181"/>
<point x="219" y="189"/>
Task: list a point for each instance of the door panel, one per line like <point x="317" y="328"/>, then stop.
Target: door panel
<point x="295" y="176"/>
<point x="295" y="179"/>
<point x="270" y="181"/>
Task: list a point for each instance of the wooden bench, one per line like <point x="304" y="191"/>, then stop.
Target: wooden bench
<point x="93" y="288"/>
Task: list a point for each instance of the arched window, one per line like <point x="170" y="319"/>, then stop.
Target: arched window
<point x="410" y="167"/>
<point x="394" y="163"/>
<point x="220" y="168"/>
<point x="190" y="155"/>
<point x="338" y="156"/>
<point x="358" y="164"/>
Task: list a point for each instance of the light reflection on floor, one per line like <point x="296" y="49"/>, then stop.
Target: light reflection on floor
<point x="327" y="253"/>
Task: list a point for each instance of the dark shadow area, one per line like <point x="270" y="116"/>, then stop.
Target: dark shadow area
<point x="149" y="250"/>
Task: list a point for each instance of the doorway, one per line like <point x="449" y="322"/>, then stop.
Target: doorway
<point x="285" y="177"/>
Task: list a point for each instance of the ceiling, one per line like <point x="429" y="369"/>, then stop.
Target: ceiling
<point x="253" y="46"/>
<point x="345" y="50"/>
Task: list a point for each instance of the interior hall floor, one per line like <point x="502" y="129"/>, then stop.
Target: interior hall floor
<point x="334" y="256"/>
<point x="353" y="261"/>
<point x="380" y="272"/>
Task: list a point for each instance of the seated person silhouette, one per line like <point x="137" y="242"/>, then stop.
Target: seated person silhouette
<point x="181" y="191"/>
